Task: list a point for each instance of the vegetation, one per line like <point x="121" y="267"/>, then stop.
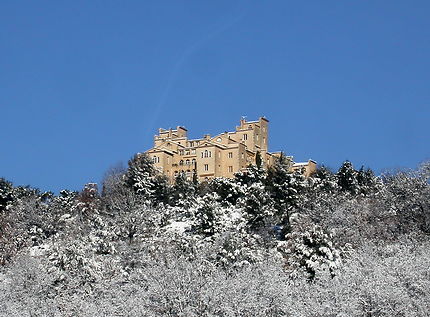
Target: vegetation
<point x="267" y="243"/>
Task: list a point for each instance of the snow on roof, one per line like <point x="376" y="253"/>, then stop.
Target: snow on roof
<point x="301" y="164"/>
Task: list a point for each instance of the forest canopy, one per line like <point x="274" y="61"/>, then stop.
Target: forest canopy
<point x="266" y="243"/>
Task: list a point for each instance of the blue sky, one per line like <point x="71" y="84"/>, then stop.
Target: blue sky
<point x="86" y="84"/>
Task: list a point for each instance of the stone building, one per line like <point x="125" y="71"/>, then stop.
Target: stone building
<point x="218" y="156"/>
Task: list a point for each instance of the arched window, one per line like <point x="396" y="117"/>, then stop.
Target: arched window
<point x="193" y="161"/>
<point x="181" y="162"/>
<point x="187" y="162"/>
<point x="206" y="153"/>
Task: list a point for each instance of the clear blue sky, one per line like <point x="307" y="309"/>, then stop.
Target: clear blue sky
<point x="86" y="84"/>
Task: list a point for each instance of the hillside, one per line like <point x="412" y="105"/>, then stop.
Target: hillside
<point x="266" y="243"/>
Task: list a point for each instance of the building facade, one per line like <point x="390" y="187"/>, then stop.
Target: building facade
<point x="220" y="156"/>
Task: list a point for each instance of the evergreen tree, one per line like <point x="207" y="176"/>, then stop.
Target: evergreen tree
<point x="258" y="160"/>
<point x="183" y="190"/>
<point x="207" y="215"/>
<point x="366" y="181"/>
<point x="325" y="180"/>
<point x="228" y="190"/>
<point x="284" y="188"/>
<point x="139" y="175"/>
<point x="161" y="189"/>
<point x="347" y="178"/>
<point x="257" y="205"/>
<point x="251" y="175"/>
<point x="6" y="194"/>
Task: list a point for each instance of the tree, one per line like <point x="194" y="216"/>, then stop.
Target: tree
<point x="258" y="160"/>
<point x="367" y="182"/>
<point x="183" y="190"/>
<point x="139" y="175"/>
<point x="257" y="206"/>
<point x="6" y="194"/>
<point x="251" y="175"/>
<point x="347" y="178"/>
<point x="285" y="189"/>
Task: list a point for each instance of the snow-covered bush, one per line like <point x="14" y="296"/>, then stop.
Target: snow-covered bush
<point x="310" y="249"/>
<point x="257" y="205"/>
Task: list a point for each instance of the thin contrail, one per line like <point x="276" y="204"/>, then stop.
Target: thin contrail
<point x="181" y="60"/>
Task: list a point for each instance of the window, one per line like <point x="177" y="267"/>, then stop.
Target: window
<point x="193" y="151"/>
<point x="206" y="167"/>
<point x="181" y="162"/>
<point x="250" y="127"/>
<point x="264" y="140"/>
<point x="187" y="162"/>
<point x="245" y="137"/>
<point x="207" y="153"/>
<point x="230" y="169"/>
<point x="256" y="137"/>
<point x="230" y="154"/>
<point x="193" y="161"/>
<point x="187" y="152"/>
<point x="191" y="144"/>
<point x="219" y="140"/>
<point x="156" y="159"/>
<point x="243" y="156"/>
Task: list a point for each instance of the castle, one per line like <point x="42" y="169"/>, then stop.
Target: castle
<point x="218" y="156"/>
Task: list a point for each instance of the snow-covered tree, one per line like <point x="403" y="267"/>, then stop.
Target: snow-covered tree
<point x="6" y="194"/>
<point x="311" y="249"/>
<point x="286" y="190"/>
<point x="252" y="174"/>
<point x="257" y="206"/>
<point x="183" y="191"/>
<point x="140" y="173"/>
<point x="347" y="178"/>
<point x="228" y="190"/>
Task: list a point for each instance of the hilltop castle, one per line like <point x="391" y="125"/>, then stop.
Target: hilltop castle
<point x="218" y="156"/>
